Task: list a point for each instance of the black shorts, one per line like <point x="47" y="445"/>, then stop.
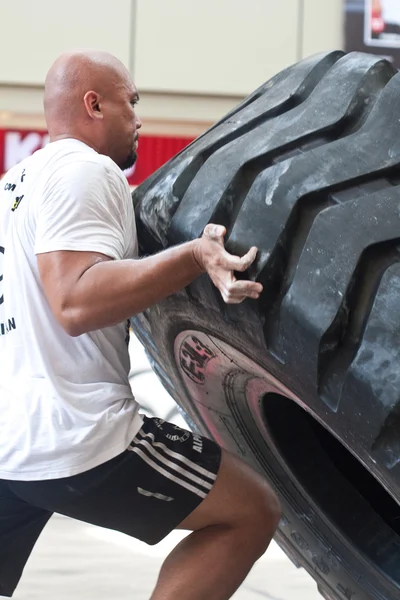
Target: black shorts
<point x="145" y="492"/>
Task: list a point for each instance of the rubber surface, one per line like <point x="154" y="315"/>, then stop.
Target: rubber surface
<point x="308" y="169"/>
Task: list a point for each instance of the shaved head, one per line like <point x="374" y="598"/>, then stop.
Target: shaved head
<point x="72" y="75"/>
<point x="89" y="95"/>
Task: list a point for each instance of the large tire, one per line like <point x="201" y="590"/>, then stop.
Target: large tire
<point x="304" y="384"/>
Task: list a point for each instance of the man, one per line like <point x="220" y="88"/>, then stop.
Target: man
<point x="71" y="438"/>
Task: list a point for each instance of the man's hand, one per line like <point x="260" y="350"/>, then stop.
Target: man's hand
<point x="212" y="257"/>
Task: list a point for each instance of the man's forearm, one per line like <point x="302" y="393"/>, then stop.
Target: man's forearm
<point x="111" y="291"/>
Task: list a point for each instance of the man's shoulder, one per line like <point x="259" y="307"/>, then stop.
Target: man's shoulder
<point x="77" y="159"/>
<point x="14" y="172"/>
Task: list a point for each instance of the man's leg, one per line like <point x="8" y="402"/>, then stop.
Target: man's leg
<point x="20" y="526"/>
<point x="167" y="478"/>
<point x="231" y="529"/>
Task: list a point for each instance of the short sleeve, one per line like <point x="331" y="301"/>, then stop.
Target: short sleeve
<point x="82" y="208"/>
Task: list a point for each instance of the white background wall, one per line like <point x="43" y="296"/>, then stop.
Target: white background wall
<point x="191" y="59"/>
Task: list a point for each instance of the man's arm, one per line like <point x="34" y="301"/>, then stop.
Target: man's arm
<point x="89" y="291"/>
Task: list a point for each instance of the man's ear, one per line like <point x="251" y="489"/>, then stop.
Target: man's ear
<point x="92" y="104"/>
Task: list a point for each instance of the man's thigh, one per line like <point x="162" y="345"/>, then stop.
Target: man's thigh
<point x="239" y="493"/>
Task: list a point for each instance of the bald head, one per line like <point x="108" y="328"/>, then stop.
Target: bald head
<point x="87" y="94"/>
<point x="73" y="75"/>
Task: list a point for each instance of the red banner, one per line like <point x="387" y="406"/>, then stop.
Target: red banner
<point x="154" y="151"/>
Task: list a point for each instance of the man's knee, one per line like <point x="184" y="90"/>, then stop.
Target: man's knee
<point x="241" y="498"/>
<point x="256" y="500"/>
<point x="255" y="509"/>
<point x="266" y="517"/>
<point x="261" y="512"/>
<point x="265" y="505"/>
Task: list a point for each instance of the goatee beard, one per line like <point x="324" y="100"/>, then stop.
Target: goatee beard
<point x="129" y="161"/>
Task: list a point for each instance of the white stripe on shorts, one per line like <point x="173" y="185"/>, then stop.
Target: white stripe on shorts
<point x="209" y="474"/>
<point x="165" y="473"/>
<point x="173" y="466"/>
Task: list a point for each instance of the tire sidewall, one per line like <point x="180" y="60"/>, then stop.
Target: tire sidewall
<point x="304" y="533"/>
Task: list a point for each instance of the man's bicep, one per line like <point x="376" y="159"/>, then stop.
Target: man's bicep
<point x="60" y="272"/>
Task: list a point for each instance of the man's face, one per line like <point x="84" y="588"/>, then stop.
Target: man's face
<point x="122" y="123"/>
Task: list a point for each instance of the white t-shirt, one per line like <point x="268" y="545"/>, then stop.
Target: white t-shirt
<point x="66" y="405"/>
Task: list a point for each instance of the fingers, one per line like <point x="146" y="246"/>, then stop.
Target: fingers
<point x="235" y="291"/>
<point x="215" y="232"/>
<point x="237" y="263"/>
<point x="229" y="261"/>
<point x="247" y="259"/>
<point x="221" y="264"/>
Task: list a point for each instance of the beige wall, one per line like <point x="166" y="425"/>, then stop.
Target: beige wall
<point x="213" y="46"/>
<point x="41" y="29"/>
<point x="191" y="60"/>
<point x="321" y="26"/>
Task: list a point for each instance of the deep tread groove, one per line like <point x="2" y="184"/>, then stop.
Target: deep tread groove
<point x="312" y="79"/>
<point x="291" y="243"/>
<point x="332" y="126"/>
<point x="231" y="202"/>
<point x="319" y="71"/>
<point x="185" y="178"/>
<point x="341" y="342"/>
<point x="278" y="272"/>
